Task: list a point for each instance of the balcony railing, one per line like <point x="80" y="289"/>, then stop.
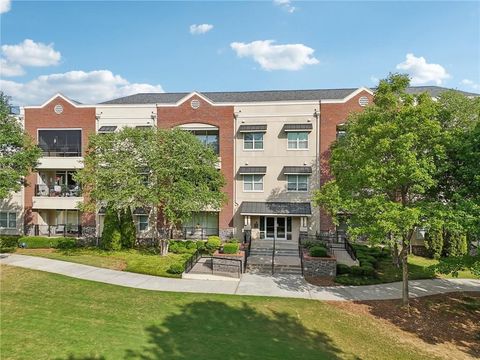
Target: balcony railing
<point x="58" y="230"/>
<point x="62" y="152"/>
<point x="58" y="190"/>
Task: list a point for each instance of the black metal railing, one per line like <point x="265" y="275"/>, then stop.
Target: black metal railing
<point x="273" y="255"/>
<point x="58" y="230"/>
<point x="350" y="250"/>
<point x="62" y="152"/>
<point x="238" y="264"/>
<point x="201" y="233"/>
<point x="300" y="254"/>
<point x="58" y="190"/>
<point x="193" y="260"/>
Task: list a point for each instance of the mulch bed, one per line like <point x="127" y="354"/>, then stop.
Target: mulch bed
<point x="449" y="319"/>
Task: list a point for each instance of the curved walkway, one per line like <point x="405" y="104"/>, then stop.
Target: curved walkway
<point x="262" y="285"/>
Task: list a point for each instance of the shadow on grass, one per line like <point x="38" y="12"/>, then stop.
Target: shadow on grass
<point x="215" y="330"/>
<point x="453" y="318"/>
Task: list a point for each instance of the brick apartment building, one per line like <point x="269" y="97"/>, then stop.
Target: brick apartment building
<point x="273" y="149"/>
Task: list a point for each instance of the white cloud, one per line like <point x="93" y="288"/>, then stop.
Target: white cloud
<point x="30" y="53"/>
<point x="8" y="70"/>
<point x="471" y="84"/>
<point x="5" y="6"/>
<point x="200" y="29"/>
<point x="286" y="5"/>
<point x="88" y="87"/>
<point x="276" y="57"/>
<point x="422" y="72"/>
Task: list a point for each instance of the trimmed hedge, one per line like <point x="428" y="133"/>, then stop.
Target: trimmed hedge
<point x="318" y="251"/>
<point x="213" y="243"/>
<point x="176" y="269"/>
<point x="231" y="248"/>
<point x="182" y="247"/>
<point x="8" y="243"/>
<point x="66" y="243"/>
<point x="343" y="269"/>
<point x="40" y="242"/>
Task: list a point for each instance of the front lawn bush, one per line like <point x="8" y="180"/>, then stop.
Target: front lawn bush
<point x="343" y="269"/>
<point x="190" y="244"/>
<point x="356" y="271"/>
<point x="366" y="270"/>
<point x="213" y="243"/>
<point x="200" y="245"/>
<point x="231" y="248"/>
<point x="66" y="243"/>
<point x="318" y="251"/>
<point x="176" y="269"/>
<point x="8" y="243"/>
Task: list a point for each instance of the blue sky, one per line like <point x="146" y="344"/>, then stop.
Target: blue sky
<point x="93" y="51"/>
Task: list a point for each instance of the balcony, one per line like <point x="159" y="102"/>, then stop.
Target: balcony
<point x="74" y="230"/>
<point x="66" y="197"/>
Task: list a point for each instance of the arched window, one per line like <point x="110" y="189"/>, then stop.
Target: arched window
<point x="207" y="134"/>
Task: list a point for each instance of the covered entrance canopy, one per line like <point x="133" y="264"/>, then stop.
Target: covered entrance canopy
<point x="275" y="220"/>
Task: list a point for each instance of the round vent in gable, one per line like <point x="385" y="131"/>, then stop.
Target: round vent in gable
<point x="58" y="109"/>
<point x="195" y="104"/>
<point x="363" y="101"/>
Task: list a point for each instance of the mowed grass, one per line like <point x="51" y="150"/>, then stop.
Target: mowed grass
<point x="49" y="316"/>
<point x="137" y="261"/>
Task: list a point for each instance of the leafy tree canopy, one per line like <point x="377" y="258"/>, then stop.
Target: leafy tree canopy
<point x="18" y="153"/>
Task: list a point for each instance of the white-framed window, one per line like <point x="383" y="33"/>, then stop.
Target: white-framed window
<point x="8" y="220"/>
<point x="252" y="182"/>
<point x="297" y="183"/>
<point x="297" y="140"/>
<point x="253" y="141"/>
<point x="142" y="222"/>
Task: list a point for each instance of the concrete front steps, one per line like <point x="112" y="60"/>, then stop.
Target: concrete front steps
<point x="286" y="259"/>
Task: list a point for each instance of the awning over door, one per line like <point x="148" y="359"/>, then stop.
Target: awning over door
<point x="276" y="208"/>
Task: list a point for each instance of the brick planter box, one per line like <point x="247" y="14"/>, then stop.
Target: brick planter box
<point x="225" y="265"/>
<point x="319" y="266"/>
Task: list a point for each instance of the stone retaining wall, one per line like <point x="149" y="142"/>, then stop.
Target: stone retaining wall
<point x="319" y="266"/>
<point x="221" y="262"/>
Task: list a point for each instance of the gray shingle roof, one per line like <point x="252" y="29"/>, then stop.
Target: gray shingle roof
<point x="252" y="170"/>
<point x="259" y="96"/>
<point x="296" y="170"/>
<point x="275" y="208"/>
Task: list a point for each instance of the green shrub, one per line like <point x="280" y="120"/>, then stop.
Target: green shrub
<point x="456" y="245"/>
<point x="8" y="243"/>
<point x="190" y="244"/>
<point x="213" y="243"/>
<point x="38" y="242"/>
<point x="176" y="269"/>
<point x="343" y="269"/>
<point x="318" y="251"/>
<point x="367" y="270"/>
<point x="111" y="236"/>
<point x="231" y="248"/>
<point x="233" y="241"/>
<point x="128" y="230"/>
<point x="66" y="243"/>
<point x="368" y="259"/>
<point x="177" y="247"/>
<point x="356" y="271"/>
<point x="200" y="245"/>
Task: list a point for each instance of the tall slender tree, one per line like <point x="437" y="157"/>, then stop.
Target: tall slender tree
<point x="18" y="153"/>
<point x="127" y="228"/>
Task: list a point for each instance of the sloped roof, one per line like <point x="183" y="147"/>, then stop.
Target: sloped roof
<point x="264" y="96"/>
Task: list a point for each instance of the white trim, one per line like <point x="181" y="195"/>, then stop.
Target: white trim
<point x="54" y="97"/>
<point x="188" y="96"/>
<point x="253" y="141"/>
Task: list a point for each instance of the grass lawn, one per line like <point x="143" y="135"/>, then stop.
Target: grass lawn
<point x="49" y="316"/>
<point x="137" y="261"/>
<point x="419" y="268"/>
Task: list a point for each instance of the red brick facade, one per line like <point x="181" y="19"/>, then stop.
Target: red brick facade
<point x="222" y="118"/>
<point x="46" y="118"/>
<point x="332" y="114"/>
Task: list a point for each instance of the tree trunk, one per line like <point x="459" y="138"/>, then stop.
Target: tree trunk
<point x="395" y="255"/>
<point x="404" y="258"/>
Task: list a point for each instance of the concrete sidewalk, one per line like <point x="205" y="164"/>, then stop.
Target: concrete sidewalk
<point x="293" y="286"/>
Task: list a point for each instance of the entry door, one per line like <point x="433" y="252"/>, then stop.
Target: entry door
<point x="281" y="228"/>
<point x="270" y="227"/>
